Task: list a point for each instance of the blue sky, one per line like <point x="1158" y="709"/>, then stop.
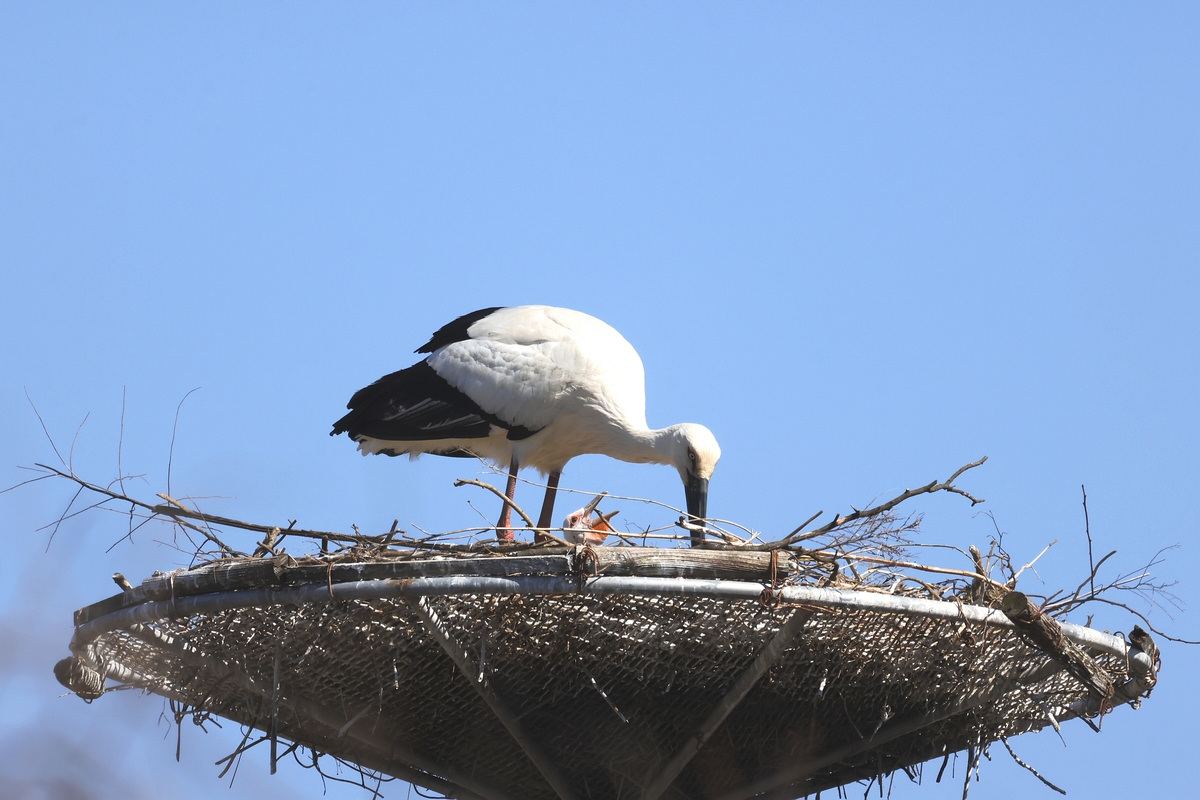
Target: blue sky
<point x="864" y="244"/>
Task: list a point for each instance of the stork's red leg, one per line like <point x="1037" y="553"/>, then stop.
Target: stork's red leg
<point x="548" y="505"/>
<point x="504" y="530"/>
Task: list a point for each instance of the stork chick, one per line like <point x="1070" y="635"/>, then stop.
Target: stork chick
<point x="580" y="527"/>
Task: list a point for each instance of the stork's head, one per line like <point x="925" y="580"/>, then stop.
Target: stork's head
<point x="695" y="453"/>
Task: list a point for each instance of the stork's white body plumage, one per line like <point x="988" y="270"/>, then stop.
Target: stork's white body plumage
<point x="566" y="375"/>
<point x="529" y="386"/>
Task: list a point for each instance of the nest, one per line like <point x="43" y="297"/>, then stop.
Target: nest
<point x="447" y="672"/>
<point x="609" y="672"/>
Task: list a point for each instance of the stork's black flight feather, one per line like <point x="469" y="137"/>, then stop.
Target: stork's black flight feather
<point x="414" y="404"/>
<point x="455" y="331"/>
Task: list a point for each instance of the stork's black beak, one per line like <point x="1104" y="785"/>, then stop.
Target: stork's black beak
<point x="695" y="489"/>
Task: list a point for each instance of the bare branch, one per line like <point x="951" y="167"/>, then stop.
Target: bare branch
<point x="1036" y="774"/>
<point x="62" y="517"/>
<point x="929" y="488"/>
<point x="79" y="430"/>
<point x="918" y="567"/>
<point x="1091" y="579"/>
<point x="132" y="530"/>
<point x="804" y="524"/>
<point x="174" y="430"/>
<point x="22" y="483"/>
<point x="704" y="530"/>
<point x="507" y="500"/>
<point x="153" y="509"/>
<point x="1016" y="576"/>
<point x="42" y="422"/>
<point x="1141" y="616"/>
<point x="121" y="442"/>
<point x="65" y="516"/>
<point x="1087" y="528"/>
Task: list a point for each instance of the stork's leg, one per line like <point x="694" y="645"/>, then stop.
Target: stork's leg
<point x="548" y="505"/>
<point x="504" y="530"/>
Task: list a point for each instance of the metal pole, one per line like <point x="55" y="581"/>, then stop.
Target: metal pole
<point x="901" y="727"/>
<point x="847" y="599"/>
<point x="766" y="659"/>
<point x="511" y="721"/>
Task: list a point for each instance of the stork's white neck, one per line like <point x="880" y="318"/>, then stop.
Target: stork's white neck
<point x="646" y="445"/>
<point x="676" y="446"/>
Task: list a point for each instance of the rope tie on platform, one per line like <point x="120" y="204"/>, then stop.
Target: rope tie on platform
<point x="771" y="597"/>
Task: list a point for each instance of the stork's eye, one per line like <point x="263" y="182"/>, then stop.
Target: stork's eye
<point x="692" y="456"/>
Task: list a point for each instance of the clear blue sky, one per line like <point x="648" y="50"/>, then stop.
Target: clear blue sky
<point x="864" y="244"/>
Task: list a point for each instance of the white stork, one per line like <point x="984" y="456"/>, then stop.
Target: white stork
<point x="529" y="386"/>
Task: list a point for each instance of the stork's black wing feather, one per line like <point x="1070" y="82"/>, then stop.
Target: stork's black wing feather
<point x="417" y="404"/>
<point x="455" y="331"/>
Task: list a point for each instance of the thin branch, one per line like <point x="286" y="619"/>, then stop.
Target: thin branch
<point x="804" y="524"/>
<point x="1016" y="575"/>
<point x="174" y="429"/>
<point x="79" y="430"/>
<point x="42" y="422"/>
<point x="1036" y="774"/>
<point x="62" y="517"/>
<point x="22" y="483"/>
<point x="507" y="500"/>
<point x="929" y="488"/>
<point x="65" y="516"/>
<point x="1141" y="616"/>
<point x="161" y="510"/>
<point x="121" y="442"/>
<point x="176" y="503"/>
<point x="132" y="530"/>
<point x="714" y="523"/>
<point x="1090" y="579"/>
<point x="973" y="755"/>
<point x="1087" y="528"/>
<point x="704" y="530"/>
<point x="241" y="748"/>
<point x="226" y="522"/>
<point x="910" y="565"/>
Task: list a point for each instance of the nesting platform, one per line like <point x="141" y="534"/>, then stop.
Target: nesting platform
<point x="626" y="673"/>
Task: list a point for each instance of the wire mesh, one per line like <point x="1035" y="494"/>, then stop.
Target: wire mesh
<point x="609" y="686"/>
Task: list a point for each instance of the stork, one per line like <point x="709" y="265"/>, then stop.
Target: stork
<point x="528" y="386"/>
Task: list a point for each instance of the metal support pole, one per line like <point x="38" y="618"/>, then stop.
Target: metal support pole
<point x="1140" y="681"/>
<point x="901" y="727"/>
<point x="510" y="720"/>
<point x="765" y="660"/>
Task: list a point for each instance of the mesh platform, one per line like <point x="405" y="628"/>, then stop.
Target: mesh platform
<point x="590" y="674"/>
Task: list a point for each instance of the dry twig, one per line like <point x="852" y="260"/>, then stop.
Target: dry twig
<point x="1036" y="774"/>
<point x="507" y="500"/>
<point x="933" y="486"/>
